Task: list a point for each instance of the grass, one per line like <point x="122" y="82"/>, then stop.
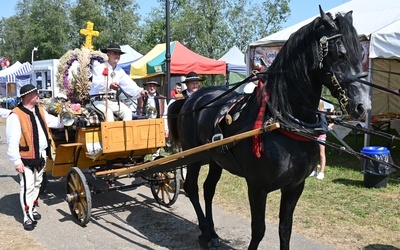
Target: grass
<point x="338" y="210"/>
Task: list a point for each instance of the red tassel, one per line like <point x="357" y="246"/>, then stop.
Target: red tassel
<point x="257" y="140"/>
<point x="105" y="71"/>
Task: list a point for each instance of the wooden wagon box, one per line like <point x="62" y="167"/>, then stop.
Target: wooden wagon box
<point x="111" y="140"/>
<point x="132" y="135"/>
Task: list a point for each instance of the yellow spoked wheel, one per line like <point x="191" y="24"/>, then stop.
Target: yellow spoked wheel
<point x="78" y="196"/>
<point x="165" y="187"/>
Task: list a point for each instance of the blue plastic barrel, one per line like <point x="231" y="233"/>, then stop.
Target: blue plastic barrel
<point x="375" y="173"/>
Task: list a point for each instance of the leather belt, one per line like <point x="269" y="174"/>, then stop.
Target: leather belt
<point x="102" y="97"/>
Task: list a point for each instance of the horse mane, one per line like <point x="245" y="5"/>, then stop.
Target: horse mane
<point x="349" y="38"/>
<point x="289" y="71"/>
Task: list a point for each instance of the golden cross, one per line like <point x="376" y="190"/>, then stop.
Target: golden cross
<point x="89" y="33"/>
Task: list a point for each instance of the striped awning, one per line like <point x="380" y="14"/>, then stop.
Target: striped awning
<point x="10" y="74"/>
<point x="26" y="69"/>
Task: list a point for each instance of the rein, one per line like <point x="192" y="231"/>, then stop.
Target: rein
<point x="206" y="105"/>
<point x="346" y="150"/>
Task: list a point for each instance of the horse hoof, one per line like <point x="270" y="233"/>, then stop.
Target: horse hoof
<point x="214" y="243"/>
<point x="209" y="245"/>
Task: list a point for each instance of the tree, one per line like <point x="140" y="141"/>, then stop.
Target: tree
<point x="250" y="20"/>
<point x="10" y="45"/>
<point x="212" y="27"/>
<point x="122" y="21"/>
<point x="84" y="11"/>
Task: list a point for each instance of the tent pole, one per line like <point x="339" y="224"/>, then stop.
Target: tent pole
<point x="167" y="49"/>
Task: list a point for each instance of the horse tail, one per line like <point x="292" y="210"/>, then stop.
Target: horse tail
<point x="173" y="113"/>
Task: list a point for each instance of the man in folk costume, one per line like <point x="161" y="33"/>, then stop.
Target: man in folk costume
<point x="192" y="82"/>
<point x="29" y="143"/>
<point x="153" y="99"/>
<point x="108" y="77"/>
<point x="154" y="102"/>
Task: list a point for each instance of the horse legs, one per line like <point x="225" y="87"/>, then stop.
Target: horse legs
<point x="289" y="197"/>
<point x="208" y="237"/>
<point x="258" y="200"/>
<point x="209" y="186"/>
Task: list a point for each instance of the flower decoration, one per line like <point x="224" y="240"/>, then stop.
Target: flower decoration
<point x="56" y="106"/>
<point x="76" y="85"/>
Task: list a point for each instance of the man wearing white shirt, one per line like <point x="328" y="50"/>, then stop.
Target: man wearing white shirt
<point x="155" y="101"/>
<point x="29" y="142"/>
<point x="192" y="82"/>
<point x="108" y="77"/>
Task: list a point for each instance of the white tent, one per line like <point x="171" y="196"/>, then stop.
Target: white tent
<point x="14" y="77"/>
<point x="235" y="60"/>
<point x="128" y="58"/>
<point x="378" y="25"/>
<point x="235" y="65"/>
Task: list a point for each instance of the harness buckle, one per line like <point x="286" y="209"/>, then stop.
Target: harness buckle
<point x="217" y="137"/>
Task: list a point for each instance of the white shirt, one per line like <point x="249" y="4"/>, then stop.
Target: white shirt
<point x="120" y="77"/>
<point x="151" y="101"/>
<point x="14" y="133"/>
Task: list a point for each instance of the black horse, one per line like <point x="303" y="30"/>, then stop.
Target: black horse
<point x="325" y="52"/>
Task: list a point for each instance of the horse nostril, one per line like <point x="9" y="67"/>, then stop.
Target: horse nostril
<point x="360" y="109"/>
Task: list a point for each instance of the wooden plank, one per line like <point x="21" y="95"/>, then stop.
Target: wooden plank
<point x="187" y="153"/>
<point x="132" y="135"/>
<point x="65" y="158"/>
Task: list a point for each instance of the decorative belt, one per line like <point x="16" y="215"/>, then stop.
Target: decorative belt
<point x="102" y="97"/>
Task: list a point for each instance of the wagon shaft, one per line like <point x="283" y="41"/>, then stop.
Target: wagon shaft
<point x="187" y="156"/>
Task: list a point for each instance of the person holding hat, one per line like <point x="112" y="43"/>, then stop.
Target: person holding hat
<point x="108" y="77"/>
<point x="29" y="141"/>
<point x="192" y="82"/>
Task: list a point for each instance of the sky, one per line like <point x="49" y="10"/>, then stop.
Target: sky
<point x="300" y="9"/>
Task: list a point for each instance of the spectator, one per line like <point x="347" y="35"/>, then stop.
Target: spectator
<point x="322" y="156"/>
<point x="154" y="105"/>
<point x="177" y="89"/>
<point x="192" y="82"/>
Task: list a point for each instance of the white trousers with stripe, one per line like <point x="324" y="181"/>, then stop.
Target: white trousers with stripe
<point x="30" y="182"/>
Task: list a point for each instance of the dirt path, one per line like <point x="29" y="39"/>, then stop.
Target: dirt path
<point x="120" y="220"/>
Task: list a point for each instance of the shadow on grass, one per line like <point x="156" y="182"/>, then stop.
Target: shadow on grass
<point x="348" y="182"/>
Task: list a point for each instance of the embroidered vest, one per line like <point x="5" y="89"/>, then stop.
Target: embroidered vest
<point x="29" y="142"/>
<point x="159" y="102"/>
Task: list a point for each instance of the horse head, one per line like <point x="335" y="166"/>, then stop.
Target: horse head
<point x="340" y="63"/>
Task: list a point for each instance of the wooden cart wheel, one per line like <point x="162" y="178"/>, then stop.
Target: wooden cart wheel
<point x="78" y="196"/>
<point x="165" y="187"/>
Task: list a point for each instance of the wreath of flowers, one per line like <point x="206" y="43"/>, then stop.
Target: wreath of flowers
<point x="77" y="89"/>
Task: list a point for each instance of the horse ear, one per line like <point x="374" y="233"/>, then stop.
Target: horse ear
<point x="349" y="16"/>
<point x="327" y="18"/>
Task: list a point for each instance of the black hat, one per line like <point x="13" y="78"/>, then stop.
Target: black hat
<point x="113" y="47"/>
<point x="152" y="82"/>
<point x="192" y="76"/>
<point x="26" y="89"/>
